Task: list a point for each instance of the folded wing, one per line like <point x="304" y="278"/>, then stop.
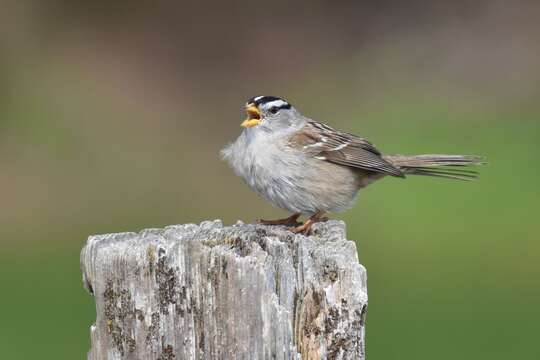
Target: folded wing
<point x="328" y="144"/>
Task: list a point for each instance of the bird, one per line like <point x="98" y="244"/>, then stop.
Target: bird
<point x="311" y="169"/>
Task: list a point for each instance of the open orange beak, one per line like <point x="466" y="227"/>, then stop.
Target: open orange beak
<point x="253" y="116"/>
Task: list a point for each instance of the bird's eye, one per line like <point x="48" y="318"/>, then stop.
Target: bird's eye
<point x="274" y="109"/>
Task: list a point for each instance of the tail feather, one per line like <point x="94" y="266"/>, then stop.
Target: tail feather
<point x="446" y="166"/>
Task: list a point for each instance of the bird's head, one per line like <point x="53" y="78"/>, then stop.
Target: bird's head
<point x="269" y="113"/>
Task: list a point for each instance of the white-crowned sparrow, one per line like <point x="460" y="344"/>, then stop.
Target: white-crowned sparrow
<point x="309" y="168"/>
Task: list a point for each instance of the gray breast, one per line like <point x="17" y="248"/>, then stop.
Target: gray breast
<point x="291" y="180"/>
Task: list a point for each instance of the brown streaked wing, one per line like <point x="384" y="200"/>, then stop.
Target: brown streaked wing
<point x="342" y="148"/>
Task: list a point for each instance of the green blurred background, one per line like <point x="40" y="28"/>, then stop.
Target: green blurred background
<point x="112" y="115"/>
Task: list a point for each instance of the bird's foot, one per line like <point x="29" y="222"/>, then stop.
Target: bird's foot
<point x="306" y="227"/>
<point x="290" y="221"/>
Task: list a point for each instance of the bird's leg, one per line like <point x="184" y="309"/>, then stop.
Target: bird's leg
<point x="290" y="221"/>
<point x="306" y="227"/>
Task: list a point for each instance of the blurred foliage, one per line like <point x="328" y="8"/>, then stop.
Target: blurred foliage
<point x="112" y="117"/>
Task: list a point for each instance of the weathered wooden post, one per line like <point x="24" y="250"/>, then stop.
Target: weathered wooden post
<point x="212" y="292"/>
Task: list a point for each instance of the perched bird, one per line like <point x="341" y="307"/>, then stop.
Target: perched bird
<point x="308" y="168"/>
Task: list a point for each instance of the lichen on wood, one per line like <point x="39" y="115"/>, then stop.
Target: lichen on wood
<point x="213" y="292"/>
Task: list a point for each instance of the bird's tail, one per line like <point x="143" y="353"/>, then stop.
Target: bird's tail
<point x="446" y="166"/>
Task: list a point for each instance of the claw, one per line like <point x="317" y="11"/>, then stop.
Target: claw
<point x="306" y="227"/>
<point x="290" y="221"/>
<point x="302" y="229"/>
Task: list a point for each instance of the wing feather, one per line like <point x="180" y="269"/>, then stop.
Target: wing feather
<point x="325" y="143"/>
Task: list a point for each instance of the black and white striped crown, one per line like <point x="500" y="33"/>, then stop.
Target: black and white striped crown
<point x="269" y="101"/>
